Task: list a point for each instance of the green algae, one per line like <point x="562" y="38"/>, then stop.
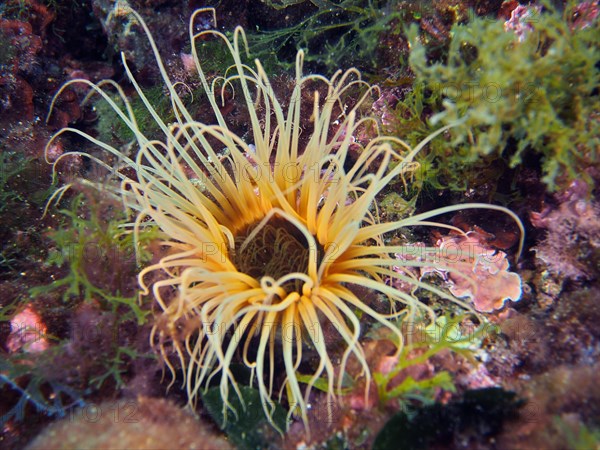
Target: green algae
<point x="337" y="33"/>
<point x="89" y="240"/>
<point x="515" y="95"/>
<point x="445" y="334"/>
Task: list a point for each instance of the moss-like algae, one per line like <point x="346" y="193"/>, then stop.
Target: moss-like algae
<point x="87" y="245"/>
<point x="337" y="33"/>
<point x="513" y="94"/>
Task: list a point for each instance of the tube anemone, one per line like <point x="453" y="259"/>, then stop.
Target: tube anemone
<point x="266" y="234"/>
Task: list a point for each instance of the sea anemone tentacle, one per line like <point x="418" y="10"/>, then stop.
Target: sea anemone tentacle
<point x="265" y="235"/>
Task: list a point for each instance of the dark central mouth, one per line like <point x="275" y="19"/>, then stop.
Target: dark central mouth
<point x="276" y="249"/>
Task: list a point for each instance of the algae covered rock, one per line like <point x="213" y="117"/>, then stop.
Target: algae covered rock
<point x="145" y="423"/>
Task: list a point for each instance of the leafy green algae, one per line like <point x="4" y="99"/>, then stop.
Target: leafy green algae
<point x="514" y="94"/>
